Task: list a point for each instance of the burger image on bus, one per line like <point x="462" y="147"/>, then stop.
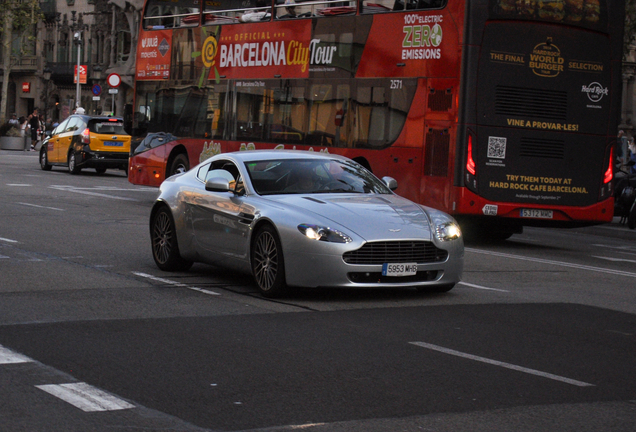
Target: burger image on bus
<point x="551" y="10"/>
<point x="574" y="10"/>
<point x="592" y="11"/>
<point x="526" y="8"/>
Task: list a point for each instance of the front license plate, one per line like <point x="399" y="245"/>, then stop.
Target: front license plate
<point x="113" y="143"/>
<point x="389" y="269"/>
<point x="537" y="213"/>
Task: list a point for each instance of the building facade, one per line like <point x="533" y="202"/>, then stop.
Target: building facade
<point x="100" y="35"/>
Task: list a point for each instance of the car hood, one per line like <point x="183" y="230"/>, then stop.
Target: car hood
<point x="371" y="217"/>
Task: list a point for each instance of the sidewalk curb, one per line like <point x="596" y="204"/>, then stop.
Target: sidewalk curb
<point x="19" y="153"/>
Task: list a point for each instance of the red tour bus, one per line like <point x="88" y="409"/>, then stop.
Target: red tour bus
<point x="502" y="113"/>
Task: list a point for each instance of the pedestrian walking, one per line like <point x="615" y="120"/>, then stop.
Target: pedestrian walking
<point x="34" y="124"/>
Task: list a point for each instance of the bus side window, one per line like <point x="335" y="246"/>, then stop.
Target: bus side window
<point x="376" y="6"/>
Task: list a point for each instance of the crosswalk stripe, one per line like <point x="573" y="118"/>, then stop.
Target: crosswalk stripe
<point x="9" y="357"/>
<point x="85" y="397"/>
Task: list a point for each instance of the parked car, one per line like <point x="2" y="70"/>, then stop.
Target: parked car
<point x="304" y="219"/>
<point x="83" y="141"/>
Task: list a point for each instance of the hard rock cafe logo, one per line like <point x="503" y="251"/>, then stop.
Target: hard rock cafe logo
<point x="546" y="60"/>
<point x="595" y="91"/>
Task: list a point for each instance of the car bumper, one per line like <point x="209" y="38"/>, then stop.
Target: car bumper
<point x="323" y="270"/>
<point x="103" y="160"/>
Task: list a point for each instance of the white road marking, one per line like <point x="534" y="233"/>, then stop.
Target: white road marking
<point x="85" y="192"/>
<point x="502" y="364"/>
<point x="628" y="248"/>
<point x="39" y="206"/>
<point x="170" y="282"/>
<point x="557" y="263"/>
<point x="9" y="357"/>
<point x="614" y="259"/>
<point x="85" y="397"/>
<point x="8" y="240"/>
<point x="482" y="287"/>
<point x="18" y="184"/>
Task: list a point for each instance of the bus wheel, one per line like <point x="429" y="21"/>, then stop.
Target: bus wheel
<point x="631" y="219"/>
<point x="500" y="235"/>
<point x="179" y="165"/>
<point x="365" y="163"/>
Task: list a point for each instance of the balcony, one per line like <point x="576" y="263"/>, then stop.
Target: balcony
<point x="24" y="64"/>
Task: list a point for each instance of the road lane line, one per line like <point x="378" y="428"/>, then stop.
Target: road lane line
<point x="557" y="263"/>
<point x="614" y="259"/>
<point x="9" y="357"/>
<point x="18" y="184"/>
<point x="85" y="397"/>
<point x="8" y="240"/>
<point x="482" y="287"/>
<point x="502" y="364"/>
<point x="170" y="282"/>
<point x="39" y="206"/>
<point x="84" y="192"/>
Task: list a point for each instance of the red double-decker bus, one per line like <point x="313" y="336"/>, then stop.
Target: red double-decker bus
<point x="502" y="113"/>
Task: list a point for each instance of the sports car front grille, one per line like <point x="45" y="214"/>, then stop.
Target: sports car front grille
<point x="373" y="253"/>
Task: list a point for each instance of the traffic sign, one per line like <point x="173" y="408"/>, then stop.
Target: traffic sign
<point x="97" y="90"/>
<point x="114" y="80"/>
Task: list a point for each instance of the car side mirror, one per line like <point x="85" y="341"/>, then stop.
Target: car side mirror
<point x="390" y="182"/>
<point x="217" y="184"/>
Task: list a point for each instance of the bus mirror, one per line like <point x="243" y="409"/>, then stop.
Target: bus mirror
<point x="128" y="124"/>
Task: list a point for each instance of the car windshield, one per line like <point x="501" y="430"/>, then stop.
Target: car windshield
<point x="309" y="176"/>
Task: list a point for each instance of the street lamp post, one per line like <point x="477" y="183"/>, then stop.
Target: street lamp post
<point x="78" y="41"/>
<point x="47" y="77"/>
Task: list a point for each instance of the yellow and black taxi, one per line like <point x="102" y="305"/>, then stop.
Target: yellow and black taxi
<point x="84" y="141"/>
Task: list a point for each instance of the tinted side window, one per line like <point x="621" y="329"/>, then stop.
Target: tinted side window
<point x="73" y="124"/>
<point x="61" y="127"/>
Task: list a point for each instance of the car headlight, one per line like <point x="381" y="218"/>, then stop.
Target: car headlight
<point x="448" y="231"/>
<point x="316" y="232"/>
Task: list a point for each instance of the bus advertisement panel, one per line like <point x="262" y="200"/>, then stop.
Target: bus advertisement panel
<point x="501" y="113"/>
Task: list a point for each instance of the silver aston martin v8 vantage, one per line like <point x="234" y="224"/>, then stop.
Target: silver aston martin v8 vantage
<point x="303" y="219"/>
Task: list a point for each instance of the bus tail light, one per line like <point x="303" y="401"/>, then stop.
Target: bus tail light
<point x="607" y="187"/>
<point x="86" y="136"/>
<point x="609" y="174"/>
<point x="470" y="179"/>
<point x="470" y="162"/>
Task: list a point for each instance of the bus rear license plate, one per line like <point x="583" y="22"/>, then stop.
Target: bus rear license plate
<point x="113" y="143"/>
<point x="389" y="269"/>
<point x="536" y="213"/>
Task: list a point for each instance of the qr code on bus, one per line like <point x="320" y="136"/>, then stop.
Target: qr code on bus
<point x="497" y="147"/>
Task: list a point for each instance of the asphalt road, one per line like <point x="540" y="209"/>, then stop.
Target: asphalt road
<point x="540" y="335"/>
